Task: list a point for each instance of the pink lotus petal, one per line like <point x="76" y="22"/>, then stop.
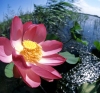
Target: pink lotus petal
<point x="45" y="71"/>
<point x="37" y="35"/>
<point x="29" y="77"/>
<point x="51" y="70"/>
<point x="51" y="47"/>
<point x="26" y="26"/>
<point x="26" y="73"/>
<point x="16" y="32"/>
<point x="5" y="50"/>
<point x="52" y="60"/>
<point x="29" y="34"/>
<point x="49" y="80"/>
<point x="19" y="61"/>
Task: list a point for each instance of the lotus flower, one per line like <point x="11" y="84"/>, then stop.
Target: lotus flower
<point x="33" y="57"/>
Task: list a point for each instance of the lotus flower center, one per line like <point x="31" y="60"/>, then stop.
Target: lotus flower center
<point x="32" y="52"/>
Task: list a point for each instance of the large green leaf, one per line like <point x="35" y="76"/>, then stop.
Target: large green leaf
<point x="71" y="59"/>
<point x="9" y="70"/>
<point x="97" y="45"/>
<point x="89" y="88"/>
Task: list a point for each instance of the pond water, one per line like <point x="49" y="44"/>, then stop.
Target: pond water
<point x="90" y="30"/>
<point x="89" y="68"/>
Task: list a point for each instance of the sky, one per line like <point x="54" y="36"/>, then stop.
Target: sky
<point x="87" y="6"/>
<point x="15" y="5"/>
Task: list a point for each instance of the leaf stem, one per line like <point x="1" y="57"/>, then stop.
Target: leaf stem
<point x="43" y="89"/>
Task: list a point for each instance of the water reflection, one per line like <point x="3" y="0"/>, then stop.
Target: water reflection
<point x="88" y="70"/>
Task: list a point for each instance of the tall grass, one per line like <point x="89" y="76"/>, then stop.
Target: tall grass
<point x="5" y="25"/>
